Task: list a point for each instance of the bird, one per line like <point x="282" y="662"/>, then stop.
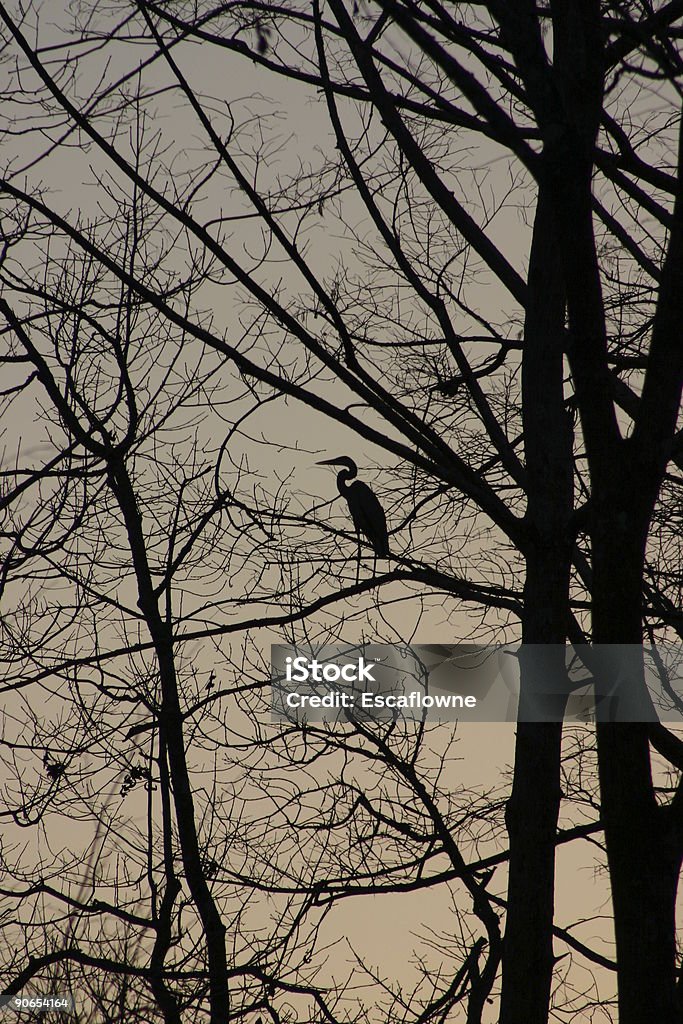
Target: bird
<point x="364" y="506"/>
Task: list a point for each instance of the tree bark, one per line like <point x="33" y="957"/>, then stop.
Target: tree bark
<point x="644" y="840"/>
<point x="535" y="800"/>
<point x="643" y="845"/>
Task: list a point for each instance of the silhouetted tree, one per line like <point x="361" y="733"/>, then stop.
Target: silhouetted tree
<point x="499" y="320"/>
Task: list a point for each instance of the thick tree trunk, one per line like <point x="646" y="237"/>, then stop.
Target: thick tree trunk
<point x="644" y="863"/>
<point x="535" y="800"/>
<point x="643" y="849"/>
<point x="531" y="819"/>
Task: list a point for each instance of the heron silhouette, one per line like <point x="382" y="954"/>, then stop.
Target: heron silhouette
<point x="366" y="511"/>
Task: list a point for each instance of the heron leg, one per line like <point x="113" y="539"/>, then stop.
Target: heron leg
<point x="358" y="558"/>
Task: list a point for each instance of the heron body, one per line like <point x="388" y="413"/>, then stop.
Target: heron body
<point x="364" y="506"/>
<point x="367" y="514"/>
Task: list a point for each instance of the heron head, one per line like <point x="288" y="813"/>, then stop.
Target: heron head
<point x="341" y="460"/>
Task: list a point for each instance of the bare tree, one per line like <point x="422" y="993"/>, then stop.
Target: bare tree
<point x="507" y="205"/>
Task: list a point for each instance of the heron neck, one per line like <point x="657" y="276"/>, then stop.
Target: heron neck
<point x="343" y="478"/>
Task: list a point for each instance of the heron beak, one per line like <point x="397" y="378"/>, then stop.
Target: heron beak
<point x="328" y="462"/>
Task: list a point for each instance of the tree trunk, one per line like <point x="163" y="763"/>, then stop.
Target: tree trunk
<point x="171" y="728"/>
<point x="643" y="849"/>
<point x="535" y="800"/>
